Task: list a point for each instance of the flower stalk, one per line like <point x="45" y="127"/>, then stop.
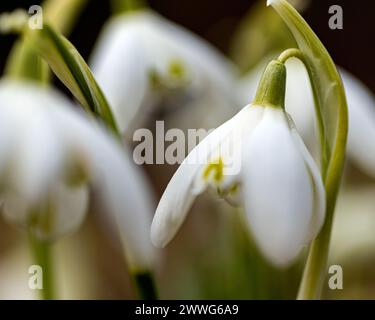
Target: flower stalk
<point x="42" y="255"/>
<point x="145" y="284"/>
<point x="332" y="117"/>
<point x="123" y="6"/>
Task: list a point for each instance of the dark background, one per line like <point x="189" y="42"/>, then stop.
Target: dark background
<point x="353" y="47"/>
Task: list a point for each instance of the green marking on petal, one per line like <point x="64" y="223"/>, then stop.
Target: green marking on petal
<point x="154" y="78"/>
<point x="233" y="189"/>
<point x="176" y="69"/>
<point x="173" y="77"/>
<point x="42" y="217"/>
<point x="214" y="170"/>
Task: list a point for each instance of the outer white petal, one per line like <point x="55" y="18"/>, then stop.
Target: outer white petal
<point x="36" y="158"/>
<point x="39" y="156"/>
<point x="361" y="136"/>
<point x="198" y="54"/>
<point x="121" y="66"/>
<point x="318" y="216"/>
<point x="98" y="153"/>
<point x="70" y="204"/>
<point x="174" y="204"/>
<point x="68" y="207"/>
<point x="299" y="101"/>
<point x="122" y="185"/>
<point x="133" y="45"/>
<point x="230" y="150"/>
<point x="277" y="189"/>
<point x="185" y="185"/>
<point x="225" y="143"/>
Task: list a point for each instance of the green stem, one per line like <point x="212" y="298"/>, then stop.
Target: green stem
<point x="291" y="53"/>
<point x="122" y="6"/>
<point x="145" y="284"/>
<point x="316" y="265"/>
<point x="41" y="251"/>
<point x="325" y="154"/>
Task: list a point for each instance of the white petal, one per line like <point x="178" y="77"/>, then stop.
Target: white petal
<point x="121" y="66"/>
<point x="229" y="151"/>
<point x="277" y="189"/>
<point x="61" y="211"/>
<point x="39" y="157"/>
<point x="134" y="45"/>
<point x="174" y="204"/>
<point x="34" y="150"/>
<point x="299" y="101"/>
<point x="70" y="205"/>
<point x="319" y="194"/>
<point x="185" y="185"/>
<point x="122" y="185"/>
<point x="203" y="58"/>
<point x="361" y="135"/>
<point x="92" y="150"/>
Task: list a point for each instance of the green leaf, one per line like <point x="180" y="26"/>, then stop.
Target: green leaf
<point x="23" y="62"/>
<point x="72" y="70"/>
<point x="332" y="115"/>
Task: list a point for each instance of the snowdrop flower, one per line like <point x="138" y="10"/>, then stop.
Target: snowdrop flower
<point x="361" y="108"/>
<point x="49" y="156"/>
<point x="141" y="58"/>
<point x="256" y="159"/>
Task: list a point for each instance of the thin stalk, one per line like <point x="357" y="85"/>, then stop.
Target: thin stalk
<point x="123" y="6"/>
<point x="332" y="115"/>
<point x="41" y="251"/>
<point x="145" y="284"/>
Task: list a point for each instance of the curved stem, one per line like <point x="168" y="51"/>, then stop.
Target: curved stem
<point x="291" y="53"/>
<point x="298" y="54"/>
<point x="41" y="251"/>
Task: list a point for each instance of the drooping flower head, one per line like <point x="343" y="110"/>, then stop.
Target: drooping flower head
<point x="258" y="160"/>
<point x="361" y="106"/>
<point x="141" y="58"/>
<point x="50" y="155"/>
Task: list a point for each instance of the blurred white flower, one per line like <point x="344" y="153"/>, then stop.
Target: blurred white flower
<point x="300" y="104"/>
<point x="353" y="236"/>
<point x="256" y="158"/>
<point x="141" y="58"/>
<point x="50" y="154"/>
